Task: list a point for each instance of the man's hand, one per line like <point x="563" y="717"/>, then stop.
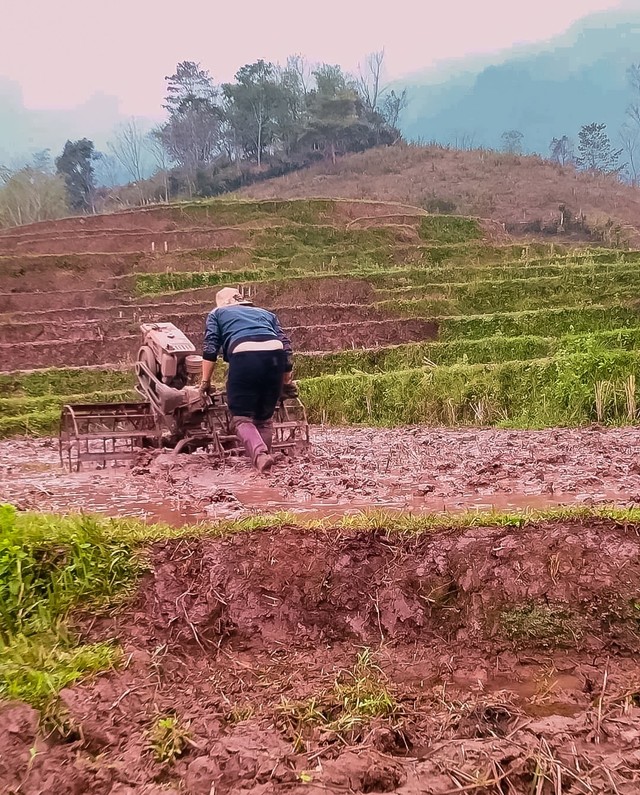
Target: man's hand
<point x="205" y="387"/>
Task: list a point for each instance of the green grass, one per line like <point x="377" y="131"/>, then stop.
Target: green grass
<point x="35" y="668"/>
<point x="63" y="381"/>
<point x="34" y="423"/>
<point x="449" y="229"/>
<point x="357" y="696"/>
<point x="554" y="322"/>
<point x="40" y="416"/>
<point x="403" y="286"/>
<point x="48" y="566"/>
<point x="489" y="296"/>
<point x="14" y="407"/>
<point x="497" y="264"/>
<point x="231" y="212"/>
<point x="284" y="242"/>
<point x="168" y="738"/>
<point x="540" y="625"/>
<point x="460" y="351"/>
<point x="531" y="394"/>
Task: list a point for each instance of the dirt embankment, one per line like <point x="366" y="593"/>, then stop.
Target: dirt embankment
<point x="95" y="343"/>
<point x="293" y="293"/>
<point x="484" y="660"/>
<point x="117" y="321"/>
<point x="11" y="303"/>
<point x="112" y="241"/>
<point x="33" y="273"/>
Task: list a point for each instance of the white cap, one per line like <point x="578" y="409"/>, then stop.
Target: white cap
<point x="229" y="296"/>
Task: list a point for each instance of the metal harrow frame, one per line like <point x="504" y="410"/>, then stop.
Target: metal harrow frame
<point x="102" y="432"/>
<point x="111" y="432"/>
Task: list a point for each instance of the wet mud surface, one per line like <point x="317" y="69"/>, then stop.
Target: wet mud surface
<point x="265" y="649"/>
<point x="346" y="470"/>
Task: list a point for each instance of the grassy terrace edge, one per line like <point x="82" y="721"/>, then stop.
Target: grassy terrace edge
<point x="375" y="263"/>
<point x="44" y="553"/>
<point x="30" y="390"/>
<point x="576" y="387"/>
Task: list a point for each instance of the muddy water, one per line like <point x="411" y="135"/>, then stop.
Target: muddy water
<point x="345" y="471"/>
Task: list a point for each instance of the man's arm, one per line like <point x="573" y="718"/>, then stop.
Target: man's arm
<point x="286" y="344"/>
<point x="207" y="372"/>
<point x="211" y="347"/>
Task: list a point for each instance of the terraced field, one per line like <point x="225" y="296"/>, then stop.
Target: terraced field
<point x="278" y="634"/>
<point x="396" y="316"/>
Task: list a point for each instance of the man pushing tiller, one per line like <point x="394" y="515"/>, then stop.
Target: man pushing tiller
<point x="260" y="369"/>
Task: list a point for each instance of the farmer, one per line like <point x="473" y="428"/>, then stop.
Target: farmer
<point x="259" y="356"/>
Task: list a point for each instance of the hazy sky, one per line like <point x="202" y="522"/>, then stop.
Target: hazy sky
<point x="63" y="51"/>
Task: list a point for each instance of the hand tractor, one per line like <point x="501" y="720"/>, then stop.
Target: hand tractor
<point x="173" y="412"/>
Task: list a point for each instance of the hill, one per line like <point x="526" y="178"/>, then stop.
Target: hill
<point x="545" y="91"/>
<point x="524" y="193"/>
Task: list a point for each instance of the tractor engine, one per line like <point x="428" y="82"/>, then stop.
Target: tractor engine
<point x="169" y="355"/>
<point x="168" y="371"/>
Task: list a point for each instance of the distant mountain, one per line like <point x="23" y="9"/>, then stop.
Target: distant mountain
<point x="24" y="131"/>
<point x="543" y="91"/>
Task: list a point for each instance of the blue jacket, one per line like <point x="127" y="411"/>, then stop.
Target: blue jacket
<point x="227" y="326"/>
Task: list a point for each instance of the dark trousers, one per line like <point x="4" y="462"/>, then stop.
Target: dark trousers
<point x="254" y="383"/>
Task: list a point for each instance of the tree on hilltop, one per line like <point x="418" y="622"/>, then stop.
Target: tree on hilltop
<point x="335" y="123"/>
<point x="382" y="107"/>
<point x="595" y="152"/>
<point x="129" y="147"/>
<point x="75" y="164"/>
<point x="189" y="87"/>
<point x="192" y="137"/>
<point x="562" y="151"/>
<point x="257" y="106"/>
<point x="512" y="142"/>
<point x="630" y="130"/>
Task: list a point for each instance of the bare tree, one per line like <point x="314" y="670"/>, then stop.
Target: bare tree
<point x="512" y="142"/>
<point x="369" y="79"/>
<point x="108" y="170"/>
<point x="464" y="140"/>
<point x="562" y="150"/>
<point x="382" y="104"/>
<point x="630" y="140"/>
<point x="393" y="105"/>
<point x="633" y="110"/>
<point x="630" y="130"/>
<point x="298" y="65"/>
<point x="161" y="158"/>
<point x="30" y="195"/>
<point x="129" y="150"/>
